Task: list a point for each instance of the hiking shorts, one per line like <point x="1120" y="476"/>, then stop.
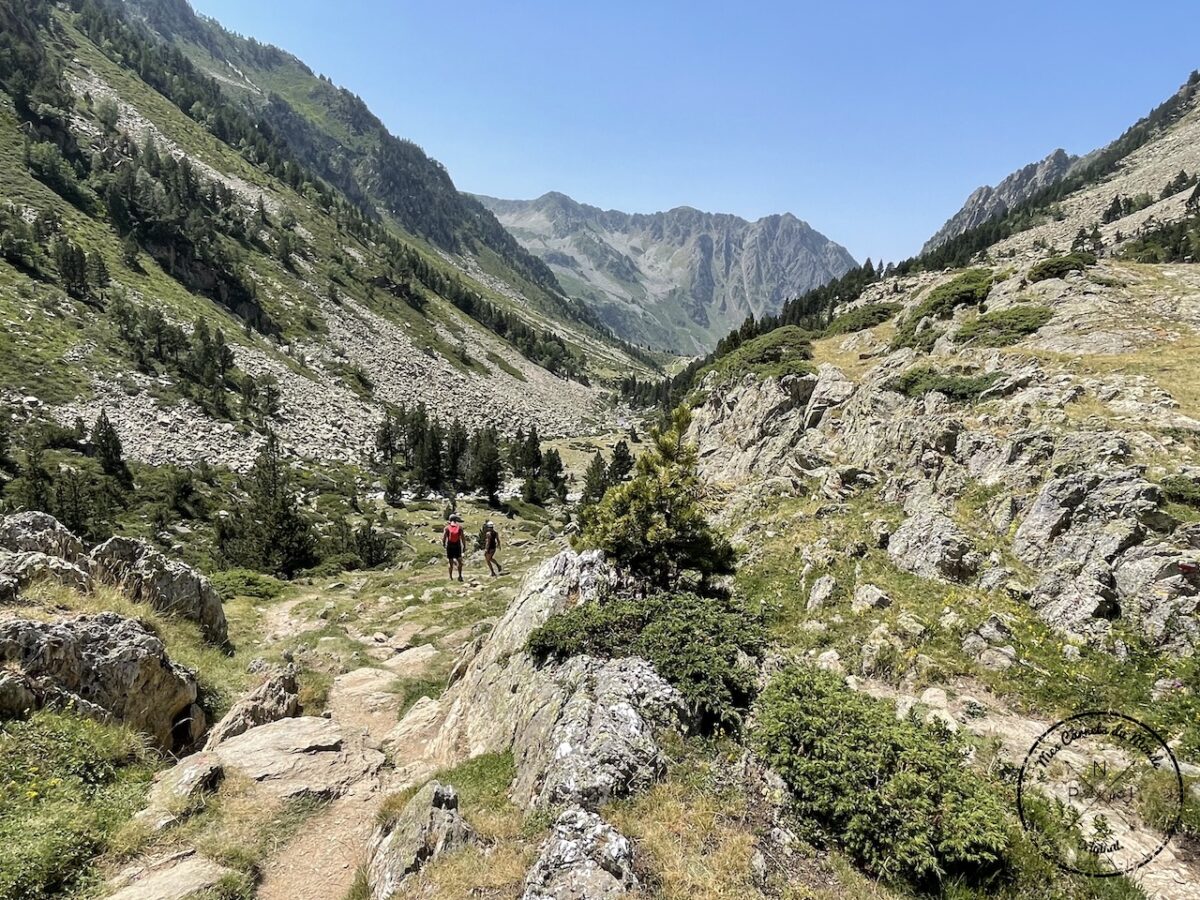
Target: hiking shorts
<point x="454" y="551"/>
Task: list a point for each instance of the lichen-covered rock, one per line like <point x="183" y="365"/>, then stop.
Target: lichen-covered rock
<point x="929" y="544"/>
<point x="38" y="532"/>
<point x="113" y="663"/>
<point x="169" y="586"/>
<point x="17" y="696"/>
<point x="26" y="567"/>
<point x="276" y="698"/>
<point x="428" y="826"/>
<point x="821" y="592"/>
<point x="585" y="858"/>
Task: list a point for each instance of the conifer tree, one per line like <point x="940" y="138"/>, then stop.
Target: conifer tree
<point x="621" y="465"/>
<point x="554" y="473"/>
<point x="457" y="446"/>
<point x="595" y="479"/>
<point x="487" y="468"/>
<point x="105" y="445"/>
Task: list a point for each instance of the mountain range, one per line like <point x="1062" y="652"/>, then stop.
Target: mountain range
<point x="678" y="280"/>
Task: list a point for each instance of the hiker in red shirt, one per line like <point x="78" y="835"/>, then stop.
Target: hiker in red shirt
<point x="453" y="539"/>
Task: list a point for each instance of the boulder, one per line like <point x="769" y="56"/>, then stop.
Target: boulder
<point x="832" y="389"/>
<point x="181" y="875"/>
<point x="17" y="695"/>
<point x="169" y="586"/>
<point x="276" y="698"/>
<point x="929" y="544"/>
<point x="300" y="757"/>
<point x="821" y="592"/>
<point x="113" y="663"/>
<point x="177" y="789"/>
<point x="868" y="597"/>
<point x="428" y="826"/>
<point x="38" y="532"/>
<point x="26" y="567"/>
<point x="585" y="858"/>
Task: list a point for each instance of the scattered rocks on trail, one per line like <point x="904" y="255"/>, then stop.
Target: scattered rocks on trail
<point x="276" y="698"/>
<point x="585" y="858"/>
<point x="301" y="757"/>
<point x="428" y="826"/>
<point x="168" y="586"/>
<point x="111" y="663"/>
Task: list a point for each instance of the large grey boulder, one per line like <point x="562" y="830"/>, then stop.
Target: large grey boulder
<point x="301" y="757"/>
<point x="585" y="858"/>
<point x="428" y="826"/>
<point x="110" y="662"/>
<point x="929" y="544"/>
<point x="39" y="532"/>
<point x="580" y="731"/>
<point x="21" y="569"/>
<point x="169" y="586"/>
<point x="276" y="698"/>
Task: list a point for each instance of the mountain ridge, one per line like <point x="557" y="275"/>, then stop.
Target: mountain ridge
<point x="679" y="279"/>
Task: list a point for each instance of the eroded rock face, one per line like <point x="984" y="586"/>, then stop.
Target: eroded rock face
<point x="929" y="544"/>
<point x="39" y="532"/>
<point x="112" y="663"/>
<point x="581" y="731"/>
<point x="276" y="698"/>
<point x="26" y="567"/>
<point x="428" y="826"/>
<point x="585" y="858"/>
<point x="169" y="586"/>
<point x="300" y="757"/>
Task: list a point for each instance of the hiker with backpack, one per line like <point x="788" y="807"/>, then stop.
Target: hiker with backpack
<point x="453" y="539"/>
<point x="491" y="543"/>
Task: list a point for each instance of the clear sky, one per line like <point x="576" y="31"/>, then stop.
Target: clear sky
<point x="870" y="120"/>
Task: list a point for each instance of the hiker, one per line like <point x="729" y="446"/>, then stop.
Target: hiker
<point x="452" y="540"/>
<point x="491" y="543"/>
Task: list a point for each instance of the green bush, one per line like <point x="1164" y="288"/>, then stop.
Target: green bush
<point x="66" y="785"/>
<point x="784" y="351"/>
<point x="245" y="583"/>
<point x="1181" y="489"/>
<point x="919" y="381"/>
<point x="1004" y="327"/>
<point x="894" y="794"/>
<point x="969" y="288"/>
<point x="862" y="318"/>
<point x="1059" y="266"/>
<point x="699" y="644"/>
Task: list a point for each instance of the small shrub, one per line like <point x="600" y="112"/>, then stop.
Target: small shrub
<point x="698" y="644"/>
<point x="1059" y="266"/>
<point x="245" y="583"/>
<point x="894" y="794"/>
<point x="1181" y="489"/>
<point x="862" y="318"/>
<point x="1004" y="327"/>
<point x="922" y="380"/>
<point x="969" y="288"/>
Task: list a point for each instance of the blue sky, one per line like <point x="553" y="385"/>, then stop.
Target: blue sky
<point x="872" y="121"/>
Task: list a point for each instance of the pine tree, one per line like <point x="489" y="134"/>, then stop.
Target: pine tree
<point x="97" y="270"/>
<point x="487" y="468"/>
<point x="268" y="531"/>
<point x="1193" y="202"/>
<point x="621" y="465"/>
<point x="554" y="473"/>
<point x="531" y="455"/>
<point x="129" y="252"/>
<point x="71" y="262"/>
<point x="386" y="440"/>
<point x="595" y="480"/>
<point x="393" y="488"/>
<point x="34" y="485"/>
<point x="516" y="453"/>
<point x="105" y="445"/>
<point x="457" y="447"/>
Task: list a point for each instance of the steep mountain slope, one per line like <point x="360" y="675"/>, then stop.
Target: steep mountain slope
<point x="681" y="279"/>
<point x="333" y="133"/>
<point x="131" y="183"/>
<point x="989" y="202"/>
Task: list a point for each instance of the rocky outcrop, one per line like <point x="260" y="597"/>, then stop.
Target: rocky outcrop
<point x="178" y="789"/>
<point x="585" y="858"/>
<point x="276" y="698"/>
<point x="24" y="568"/>
<point x="929" y="544"/>
<point x="178" y="876"/>
<point x="168" y="586"/>
<point x="581" y="731"/>
<point x="111" y="663"/>
<point x="427" y="827"/>
<point x="301" y="757"/>
<point x="38" y="532"/>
